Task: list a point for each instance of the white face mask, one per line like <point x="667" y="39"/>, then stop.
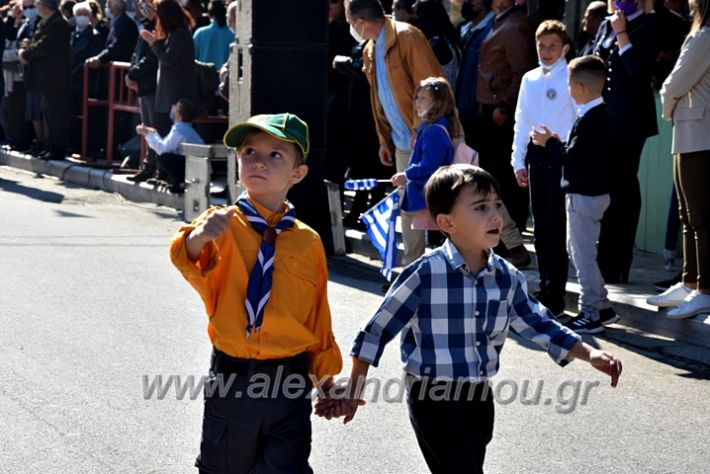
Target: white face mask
<point x="107" y="13"/>
<point x="82" y="21"/>
<point x="356" y="35"/>
<point x="560" y="60"/>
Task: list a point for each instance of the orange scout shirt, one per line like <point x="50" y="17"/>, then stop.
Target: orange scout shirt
<point x="297" y="316"/>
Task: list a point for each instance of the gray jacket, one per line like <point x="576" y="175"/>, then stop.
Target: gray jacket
<point x="686" y="95"/>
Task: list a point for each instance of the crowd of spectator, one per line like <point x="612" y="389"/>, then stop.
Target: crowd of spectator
<point x="484" y="59"/>
<point x="175" y="52"/>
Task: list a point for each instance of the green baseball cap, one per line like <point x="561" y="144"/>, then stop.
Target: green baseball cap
<point x="285" y="127"/>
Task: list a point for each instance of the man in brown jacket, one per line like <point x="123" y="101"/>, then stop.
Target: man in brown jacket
<point x="395" y="60"/>
<point x="506" y="55"/>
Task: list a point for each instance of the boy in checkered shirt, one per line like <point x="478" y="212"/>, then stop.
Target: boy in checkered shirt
<point x="454" y="307"/>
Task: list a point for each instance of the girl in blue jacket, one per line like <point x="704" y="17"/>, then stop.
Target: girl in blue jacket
<point x="433" y="148"/>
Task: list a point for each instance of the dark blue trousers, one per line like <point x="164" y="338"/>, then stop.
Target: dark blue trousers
<point x="256" y="425"/>
<point x="547" y="200"/>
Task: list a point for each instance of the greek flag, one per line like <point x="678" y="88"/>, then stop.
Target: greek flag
<point x="360" y="184"/>
<point x="380" y="223"/>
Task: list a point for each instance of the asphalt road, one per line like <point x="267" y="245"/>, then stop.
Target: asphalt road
<point x="90" y="304"/>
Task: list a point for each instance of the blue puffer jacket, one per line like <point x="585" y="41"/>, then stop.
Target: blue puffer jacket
<point x="432" y="149"/>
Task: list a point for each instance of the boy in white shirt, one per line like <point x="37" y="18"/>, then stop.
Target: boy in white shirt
<point x="167" y="148"/>
<point x="544" y="99"/>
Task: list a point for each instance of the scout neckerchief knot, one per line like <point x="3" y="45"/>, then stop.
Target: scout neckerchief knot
<point x="259" y="288"/>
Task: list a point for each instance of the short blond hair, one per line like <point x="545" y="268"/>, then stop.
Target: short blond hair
<point x="552" y="27"/>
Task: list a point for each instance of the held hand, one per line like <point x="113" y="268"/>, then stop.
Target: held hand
<point x="618" y="22"/>
<point x="385" y="155"/>
<point x="608" y="363"/>
<point x="541" y="136"/>
<point x="21" y="56"/>
<point x="148" y="37"/>
<point x="499" y="117"/>
<point x="336" y="404"/>
<point x="521" y="176"/>
<point x="399" y="180"/>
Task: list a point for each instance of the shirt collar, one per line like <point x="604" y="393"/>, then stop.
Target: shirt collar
<point x="271" y="217"/>
<point x="484" y="22"/>
<point x="556" y="69"/>
<point x="634" y="15"/>
<point x="380" y="36"/>
<point x="583" y="109"/>
<point x="457" y="262"/>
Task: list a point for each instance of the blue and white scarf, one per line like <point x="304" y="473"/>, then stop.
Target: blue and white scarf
<point x="259" y="287"/>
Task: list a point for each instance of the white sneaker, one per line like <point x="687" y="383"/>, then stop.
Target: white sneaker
<point x="694" y="304"/>
<point x="673" y="296"/>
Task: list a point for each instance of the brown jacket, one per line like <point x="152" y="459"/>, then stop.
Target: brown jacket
<point x="409" y="60"/>
<point x="506" y="55"/>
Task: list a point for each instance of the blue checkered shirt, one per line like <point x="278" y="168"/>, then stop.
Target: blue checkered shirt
<point x="454" y="323"/>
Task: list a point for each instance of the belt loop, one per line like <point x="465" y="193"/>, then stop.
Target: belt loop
<point x="216" y="360"/>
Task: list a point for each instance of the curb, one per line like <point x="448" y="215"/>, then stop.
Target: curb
<point x="87" y="176"/>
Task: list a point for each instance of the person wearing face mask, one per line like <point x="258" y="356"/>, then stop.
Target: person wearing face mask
<point x="544" y="99"/>
<point x="24" y="112"/>
<point x="396" y="58"/>
<point x="85" y="42"/>
<point x="628" y="42"/>
<point x="121" y="40"/>
<point x="46" y="59"/>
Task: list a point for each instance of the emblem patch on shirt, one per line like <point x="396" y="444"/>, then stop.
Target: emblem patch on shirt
<point x="551" y="94"/>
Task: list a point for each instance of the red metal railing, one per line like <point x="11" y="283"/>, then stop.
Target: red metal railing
<point x="119" y="99"/>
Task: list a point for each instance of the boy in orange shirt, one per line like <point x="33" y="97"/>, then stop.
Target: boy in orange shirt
<point x="262" y="276"/>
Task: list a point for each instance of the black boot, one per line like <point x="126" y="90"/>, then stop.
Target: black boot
<point x="143" y="175"/>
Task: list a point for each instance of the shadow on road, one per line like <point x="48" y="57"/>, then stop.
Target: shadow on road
<point x="32" y="193"/>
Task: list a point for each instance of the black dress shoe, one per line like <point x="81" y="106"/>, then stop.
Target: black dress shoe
<point x="141" y="176"/>
<point x="51" y="155"/>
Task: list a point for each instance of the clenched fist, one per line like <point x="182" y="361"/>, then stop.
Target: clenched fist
<point x="212" y="228"/>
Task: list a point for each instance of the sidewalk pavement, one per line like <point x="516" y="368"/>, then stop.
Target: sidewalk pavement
<point x="676" y="336"/>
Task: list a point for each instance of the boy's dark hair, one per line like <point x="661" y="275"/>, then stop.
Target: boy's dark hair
<point x="445" y="185"/>
<point x="588" y="70"/>
<point x="368" y="10"/>
<point x="187" y="109"/>
<point x="553" y="27"/>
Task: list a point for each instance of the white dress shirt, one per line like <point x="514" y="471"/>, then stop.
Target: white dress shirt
<point x="543" y="99"/>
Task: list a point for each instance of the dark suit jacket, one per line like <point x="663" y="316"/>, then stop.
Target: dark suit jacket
<point x="587" y="156"/>
<point x="628" y="90"/>
<point x="176" y="69"/>
<point x="84" y="44"/>
<point x="121" y="40"/>
<point x="48" y="56"/>
<point x="144" y="69"/>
